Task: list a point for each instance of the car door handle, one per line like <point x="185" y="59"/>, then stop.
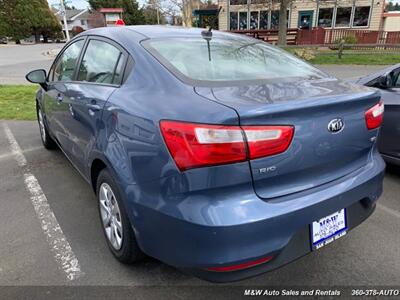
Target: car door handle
<point x="93" y="107"/>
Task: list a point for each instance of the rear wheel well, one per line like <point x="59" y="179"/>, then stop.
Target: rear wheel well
<point x="97" y="166"/>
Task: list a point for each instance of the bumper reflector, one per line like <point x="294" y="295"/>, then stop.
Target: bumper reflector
<point x="241" y="266"/>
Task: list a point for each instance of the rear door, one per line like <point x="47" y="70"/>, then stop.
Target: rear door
<point x="100" y="72"/>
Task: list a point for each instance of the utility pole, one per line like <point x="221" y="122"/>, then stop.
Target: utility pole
<point x="64" y="14"/>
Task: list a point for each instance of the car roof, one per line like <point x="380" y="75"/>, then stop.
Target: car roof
<point x="140" y="32"/>
<point x="160" y="31"/>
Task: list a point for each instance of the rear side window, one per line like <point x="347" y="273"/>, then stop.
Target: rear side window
<point x="102" y="63"/>
<point x="65" y="66"/>
<point x="227" y="60"/>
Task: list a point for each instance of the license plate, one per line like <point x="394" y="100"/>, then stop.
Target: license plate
<point x="328" y="229"/>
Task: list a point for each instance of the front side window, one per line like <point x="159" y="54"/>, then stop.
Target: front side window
<point x="65" y="66"/>
<point x="101" y="63"/>
<point x="343" y="15"/>
<point x="361" y="16"/>
<point x="233" y="59"/>
<point x="325" y="17"/>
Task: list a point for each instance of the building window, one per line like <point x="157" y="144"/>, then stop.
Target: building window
<point x="361" y="16"/>
<point x="343" y="15"/>
<point x="243" y="20"/>
<point x="233" y="21"/>
<point x="274" y="19"/>
<point x="325" y="16"/>
<point x="254" y="20"/>
<point x="238" y="2"/>
<point x="264" y="19"/>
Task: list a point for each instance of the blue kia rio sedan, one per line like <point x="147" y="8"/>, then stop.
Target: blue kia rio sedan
<point x="215" y="153"/>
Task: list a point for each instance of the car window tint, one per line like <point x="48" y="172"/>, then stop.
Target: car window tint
<point x="65" y="66"/>
<point x="119" y="71"/>
<point x="229" y="59"/>
<point x="397" y="78"/>
<point x="102" y="63"/>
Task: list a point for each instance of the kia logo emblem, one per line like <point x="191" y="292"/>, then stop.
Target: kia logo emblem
<point x="336" y="125"/>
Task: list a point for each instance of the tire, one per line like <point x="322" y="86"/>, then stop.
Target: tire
<point x="122" y="244"/>
<point x="47" y="140"/>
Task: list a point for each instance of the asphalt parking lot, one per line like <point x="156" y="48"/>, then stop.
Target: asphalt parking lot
<point x="368" y="256"/>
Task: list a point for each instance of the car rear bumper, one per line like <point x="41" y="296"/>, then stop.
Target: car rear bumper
<point x="391" y="159"/>
<point x="211" y="233"/>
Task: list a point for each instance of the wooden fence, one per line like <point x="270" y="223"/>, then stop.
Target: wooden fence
<point x="321" y="36"/>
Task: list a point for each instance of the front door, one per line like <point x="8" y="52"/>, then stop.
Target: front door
<point x="306" y="19"/>
<point x="56" y="98"/>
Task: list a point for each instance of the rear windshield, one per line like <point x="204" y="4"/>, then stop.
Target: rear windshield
<point x="227" y="60"/>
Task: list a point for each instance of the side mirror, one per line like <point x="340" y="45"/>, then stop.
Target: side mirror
<point x="385" y="81"/>
<point x="37" y="76"/>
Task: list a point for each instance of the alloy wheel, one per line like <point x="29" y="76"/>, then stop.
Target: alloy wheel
<point x="41" y="126"/>
<point x="110" y="216"/>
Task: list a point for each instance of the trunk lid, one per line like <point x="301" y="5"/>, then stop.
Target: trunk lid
<point x="316" y="155"/>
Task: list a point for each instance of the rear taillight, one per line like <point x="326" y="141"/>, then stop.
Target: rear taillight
<point x="267" y="140"/>
<point x="198" y="145"/>
<point x="374" y="116"/>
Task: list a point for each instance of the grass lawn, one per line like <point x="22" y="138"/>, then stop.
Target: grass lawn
<point x="17" y="102"/>
<point x="356" y="59"/>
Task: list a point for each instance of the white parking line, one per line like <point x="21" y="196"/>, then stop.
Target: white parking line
<point x="59" y="245"/>
<point x="10" y="155"/>
<point x="14" y="147"/>
<point x="390" y="211"/>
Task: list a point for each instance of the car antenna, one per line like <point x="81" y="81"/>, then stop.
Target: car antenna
<point x="207" y="34"/>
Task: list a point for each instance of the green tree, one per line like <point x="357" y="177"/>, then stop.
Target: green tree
<point x="16" y="21"/>
<point x="22" y="18"/>
<point x="3" y="30"/>
<point x="389" y="6"/>
<point x="132" y="14"/>
<point x="44" y="22"/>
<point x="150" y="15"/>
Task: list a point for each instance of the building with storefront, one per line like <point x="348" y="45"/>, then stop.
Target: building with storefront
<point x="329" y="14"/>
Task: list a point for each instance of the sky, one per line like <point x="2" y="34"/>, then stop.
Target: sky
<point x="76" y="3"/>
